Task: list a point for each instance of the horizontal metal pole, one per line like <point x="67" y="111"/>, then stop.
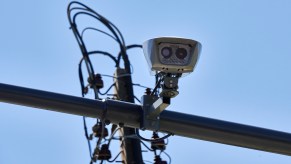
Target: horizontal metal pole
<point x="116" y="111"/>
<point x="130" y="114"/>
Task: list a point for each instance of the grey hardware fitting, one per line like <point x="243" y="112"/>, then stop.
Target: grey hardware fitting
<point x="152" y="107"/>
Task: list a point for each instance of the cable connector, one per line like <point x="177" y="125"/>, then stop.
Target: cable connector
<point x="104" y="153"/>
<point x="96" y="82"/>
<point x="158" y="160"/>
<point x="157" y="143"/>
<point x="99" y="131"/>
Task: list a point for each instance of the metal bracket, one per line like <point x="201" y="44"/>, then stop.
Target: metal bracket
<point x="152" y="107"/>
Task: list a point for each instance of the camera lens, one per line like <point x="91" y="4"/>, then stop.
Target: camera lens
<point x="181" y="53"/>
<point x="166" y="52"/>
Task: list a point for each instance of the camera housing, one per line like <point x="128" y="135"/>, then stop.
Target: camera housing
<point x="172" y="55"/>
<point x="169" y="58"/>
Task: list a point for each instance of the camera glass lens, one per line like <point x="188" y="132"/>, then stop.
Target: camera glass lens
<point x="181" y="53"/>
<point x="166" y="52"/>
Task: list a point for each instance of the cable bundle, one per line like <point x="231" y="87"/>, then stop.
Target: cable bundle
<point x="95" y="82"/>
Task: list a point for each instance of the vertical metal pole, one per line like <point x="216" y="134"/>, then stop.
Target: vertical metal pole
<point x="131" y="148"/>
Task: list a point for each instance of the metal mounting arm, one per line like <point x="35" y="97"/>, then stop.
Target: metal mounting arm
<point x="158" y="106"/>
<point x="152" y="107"/>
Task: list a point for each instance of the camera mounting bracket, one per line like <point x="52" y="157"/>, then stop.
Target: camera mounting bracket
<point x="152" y="107"/>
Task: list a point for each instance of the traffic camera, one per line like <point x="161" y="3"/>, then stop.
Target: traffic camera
<point x="171" y="55"/>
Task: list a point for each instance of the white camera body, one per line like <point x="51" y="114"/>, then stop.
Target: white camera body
<point x="172" y="55"/>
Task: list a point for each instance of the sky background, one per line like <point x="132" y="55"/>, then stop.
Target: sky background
<point x="243" y="74"/>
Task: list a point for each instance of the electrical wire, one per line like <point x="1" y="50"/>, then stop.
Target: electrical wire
<point x="80" y="43"/>
<point x="89" y="12"/>
<point x="157" y="86"/>
<point x="86" y="8"/>
<point x="127" y="48"/>
<point x="104" y="53"/>
<point x="81" y="79"/>
<point x="89" y="66"/>
<point x="137" y="99"/>
<point x="95" y="29"/>
<point x="151" y="140"/>
<point x="142" y="86"/>
<point x="115" y="157"/>
<point x="170" y="159"/>
<point x="148" y="161"/>
<point x="112" y="135"/>
<point x="107" y="90"/>
<point x="87" y="136"/>
<point x="97" y="18"/>
<point x="108" y="76"/>
<point x="100" y="52"/>
<point x="123" y="75"/>
<point x="167" y="140"/>
<point x="146" y="146"/>
<point x="76" y="9"/>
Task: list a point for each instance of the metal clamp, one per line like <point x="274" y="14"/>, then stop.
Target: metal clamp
<point x="152" y="107"/>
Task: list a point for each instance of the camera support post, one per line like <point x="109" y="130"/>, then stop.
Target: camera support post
<point x="153" y="105"/>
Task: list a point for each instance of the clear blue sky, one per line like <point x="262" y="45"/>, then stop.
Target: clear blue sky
<point x="243" y="74"/>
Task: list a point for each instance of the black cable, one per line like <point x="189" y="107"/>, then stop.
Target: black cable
<point x="116" y="35"/>
<point x="97" y="18"/>
<point x="87" y="136"/>
<point x="108" y="76"/>
<point x="95" y="29"/>
<point x="170" y="159"/>
<point x="146" y="146"/>
<point x="148" y="161"/>
<point x="89" y="9"/>
<point x="114" y="30"/>
<point x="127" y="48"/>
<point x="89" y="69"/>
<point x="105" y="22"/>
<point x="115" y="157"/>
<point x="104" y="53"/>
<point x="112" y="135"/>
<point x="151" y="140"/>
<point x="77" y="34"/>
<point x="84" y="53"/>
<point x="86" y="8"/>
<point x="81" y="79"/>
<point x="107" y="90"/>
<point x="167" y="140"/>
<point x="157" y="86"/>
<point x="137" y="99"/>
<point x="101" y="20"/>
<point x="100" y="52"/>
<point x="123" y="75"/>
<point x="108" y="24"/>
<point x="142" y="86"/>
